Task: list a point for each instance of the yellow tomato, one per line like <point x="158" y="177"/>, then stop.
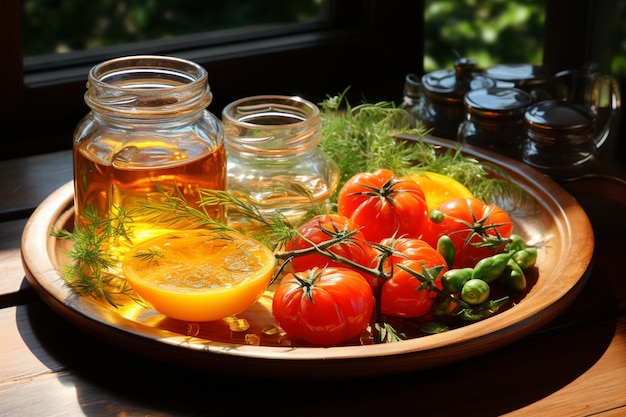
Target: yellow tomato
<point x="199" y="275"/>
<point x="439" y="188"/>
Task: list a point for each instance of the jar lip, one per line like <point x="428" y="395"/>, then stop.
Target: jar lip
<point x="497" y="102"/>
<point x="557" y="115"/>
<point x="148" y="85"/>
<point x="238" y="111"/>
<point x="172" y="72"/>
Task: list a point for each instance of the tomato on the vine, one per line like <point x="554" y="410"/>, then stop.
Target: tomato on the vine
<point x="323" y="228"/>
<point x="323" y="306"/>
<point x="384" y="205"/>
<point x="477" y="229"/>
<point x="404" y="294"/>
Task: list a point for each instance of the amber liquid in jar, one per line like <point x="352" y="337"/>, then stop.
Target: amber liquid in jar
<point x="144" y="171"/>
<point x="148" y="147"/>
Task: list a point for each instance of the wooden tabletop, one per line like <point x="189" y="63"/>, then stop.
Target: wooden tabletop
<point x="574" y="366"/>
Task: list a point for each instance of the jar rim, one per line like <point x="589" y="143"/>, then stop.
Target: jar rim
<point x="154" y="83"/>
<point x="295" y="106"/>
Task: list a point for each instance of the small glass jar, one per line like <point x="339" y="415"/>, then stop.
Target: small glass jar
<point x="412" y="98"/>
<point x="148" y="133"/>
<point x="495" y="119"/>
<point x="561" y="139"/>
<point x="443" y="109"/>
<point x="273" y="156"/>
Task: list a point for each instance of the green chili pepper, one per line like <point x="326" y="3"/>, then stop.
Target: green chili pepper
<point x="453" y="280"/>
<point x="475" y="291"/>
<point x="489" y="269"/>
<point x="526" y="258"/>
<point x="446" y="249"/>
<point x="513" y="276"/>
<point x="517" y="243"/>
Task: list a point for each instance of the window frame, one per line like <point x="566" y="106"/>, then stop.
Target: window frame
<point x="365" y="45"/>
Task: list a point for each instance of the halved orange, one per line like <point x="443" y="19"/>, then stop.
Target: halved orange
<point x="438" y="188"/>
<point x="199" y="275"/>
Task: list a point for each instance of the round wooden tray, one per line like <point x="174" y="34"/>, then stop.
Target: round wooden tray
<point x="556" y="223"/>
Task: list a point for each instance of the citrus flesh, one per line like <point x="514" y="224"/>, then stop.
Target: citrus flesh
<point x="199" y="275"/>
<point x="439" y="188"/>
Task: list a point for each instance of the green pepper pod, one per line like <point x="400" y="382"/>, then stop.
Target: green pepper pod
<point x="446" y="249"/>
<point x="513" y="276"/>
<point x="475" y="291"/>
<point x="489" y="269"/>
<point x="453" y="280"/>
<point x="525" y="258"/>
<point x="517" y="243"/>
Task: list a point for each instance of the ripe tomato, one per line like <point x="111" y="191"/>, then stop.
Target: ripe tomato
<point x="323" y="306"/>
<point x="477" y="229"/>
<point x="404" y="295"/>
<point x="323" y="228"/>
<point x="384" y="205"/>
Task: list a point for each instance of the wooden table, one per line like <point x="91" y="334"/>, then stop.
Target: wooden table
<point x="574" y="366"/>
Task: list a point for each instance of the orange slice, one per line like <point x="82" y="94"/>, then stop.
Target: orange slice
<point x="199" y="275"/>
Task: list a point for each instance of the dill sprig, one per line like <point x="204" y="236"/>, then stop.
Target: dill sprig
<point x="268" y="228"/>
<point x="363" y="138"/>
<point x="380" y="135"/>
<point x="94" y="261"/>
<point x="171" y="209"/>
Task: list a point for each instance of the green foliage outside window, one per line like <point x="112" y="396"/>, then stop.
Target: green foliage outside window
<point x="51" y="26"/>
<point x="488" y="31"/>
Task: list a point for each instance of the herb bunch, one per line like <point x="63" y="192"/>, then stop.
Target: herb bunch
<point x="381" y="135"/>
<point x="92" y="271"/>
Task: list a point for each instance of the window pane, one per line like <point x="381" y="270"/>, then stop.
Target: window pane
<point x="487" y="31"/>
<point x="56" y="26"/>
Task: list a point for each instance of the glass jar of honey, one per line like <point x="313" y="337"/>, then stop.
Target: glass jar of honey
<point x="147" y="138"/>
<point x="274" y="161"/>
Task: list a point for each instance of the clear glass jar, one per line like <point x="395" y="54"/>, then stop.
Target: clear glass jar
<point x="273" y="157"/>
<point x="148" y="133"/>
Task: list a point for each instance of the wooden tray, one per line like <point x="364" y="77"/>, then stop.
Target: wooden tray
<point x="557" y="223"/>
